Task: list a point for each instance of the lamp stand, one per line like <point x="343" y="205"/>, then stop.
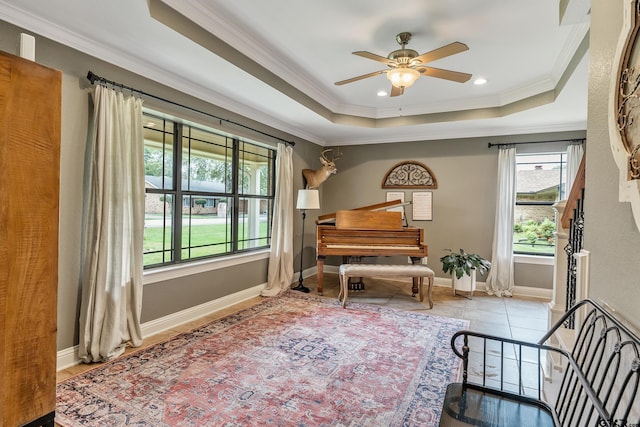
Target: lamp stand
<point x="300" y="286"/>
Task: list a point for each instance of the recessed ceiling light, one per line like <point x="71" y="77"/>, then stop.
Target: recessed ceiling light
<point x="480" y="81"/>
<point x="382" y="93"/>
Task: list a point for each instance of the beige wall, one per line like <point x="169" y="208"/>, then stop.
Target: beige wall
<point x="463" y="204"/>
<point x="73" y="137"/>
<point x="610" y="231"/>
<point x="162" y="298"/>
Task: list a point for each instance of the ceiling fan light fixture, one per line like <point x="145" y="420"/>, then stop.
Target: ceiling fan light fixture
<point x="402" y="77"/>
<point x="406" y="65"/>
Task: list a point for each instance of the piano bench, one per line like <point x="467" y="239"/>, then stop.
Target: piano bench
<point x="385" y="270"/>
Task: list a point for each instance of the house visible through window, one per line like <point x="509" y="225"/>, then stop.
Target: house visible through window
<point x="540" y="182"/>
<point x="207" y="193"/>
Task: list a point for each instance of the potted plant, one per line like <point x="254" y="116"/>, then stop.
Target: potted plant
<point x="463" y="267"/>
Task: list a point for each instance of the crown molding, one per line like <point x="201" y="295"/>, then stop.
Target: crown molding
<point x="45" y="28"/>
<point x="221" y="25"/>
<point x="540" y="93"/>
<point x="250" y="44"/>
<point x="446" y="133"/>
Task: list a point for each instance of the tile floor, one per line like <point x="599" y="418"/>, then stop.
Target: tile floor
<point x="517" y="318"/>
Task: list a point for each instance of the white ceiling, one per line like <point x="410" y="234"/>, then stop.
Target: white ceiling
<point x="279" y="60"/>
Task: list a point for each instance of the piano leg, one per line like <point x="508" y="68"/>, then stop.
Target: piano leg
<point x="415" y="288"/>
<point x="320" y="264"/>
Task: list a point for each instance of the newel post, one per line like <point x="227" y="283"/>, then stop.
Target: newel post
<point x="557" y="306"/>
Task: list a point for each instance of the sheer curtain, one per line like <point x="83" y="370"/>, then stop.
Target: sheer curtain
<point x="574" y="157"/>
<point x="500" y="280"/>
<point x="281" y="257"/>
<point x="113" y="228"/>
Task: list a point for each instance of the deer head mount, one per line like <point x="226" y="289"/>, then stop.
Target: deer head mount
<point x="313" y="178"/>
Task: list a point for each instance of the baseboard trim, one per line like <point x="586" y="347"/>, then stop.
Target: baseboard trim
<point x="529" y="292"/>
<point x="190" y="314"/>
<point x="519" y="291"/>
<point x="69" y="357"/>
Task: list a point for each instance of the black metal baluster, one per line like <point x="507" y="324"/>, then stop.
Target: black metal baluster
<point x="576" y="234"/>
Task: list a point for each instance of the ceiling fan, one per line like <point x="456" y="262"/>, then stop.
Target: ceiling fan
<point x="406" y="65"/>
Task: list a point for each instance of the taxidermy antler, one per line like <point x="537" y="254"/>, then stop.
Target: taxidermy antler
<point x="313" y="178"/>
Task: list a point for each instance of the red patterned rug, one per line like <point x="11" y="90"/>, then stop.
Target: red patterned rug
<point x="292" y="360"/>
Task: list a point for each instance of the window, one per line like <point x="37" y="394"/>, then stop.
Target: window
<point x="207" y="193"/>
<point x="540" y="182"/>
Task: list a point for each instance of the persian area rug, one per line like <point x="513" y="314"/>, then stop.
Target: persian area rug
<point x="292" y="360"/>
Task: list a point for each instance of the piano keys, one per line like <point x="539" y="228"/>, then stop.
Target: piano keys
<point x="367" y="231"/>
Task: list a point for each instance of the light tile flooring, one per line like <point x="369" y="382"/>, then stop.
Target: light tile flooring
<point x="517" y="318"/>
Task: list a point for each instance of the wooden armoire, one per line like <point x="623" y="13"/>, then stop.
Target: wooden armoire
<point x="30" y="108"/>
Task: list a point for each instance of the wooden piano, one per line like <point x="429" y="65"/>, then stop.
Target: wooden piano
<point x="367" y="231"/>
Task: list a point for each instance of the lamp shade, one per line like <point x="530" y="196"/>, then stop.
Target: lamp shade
<point x="308" y="199"/>
<point x="402" y="76"/>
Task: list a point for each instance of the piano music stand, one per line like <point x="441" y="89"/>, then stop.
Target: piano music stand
<point x="307" y="199"/>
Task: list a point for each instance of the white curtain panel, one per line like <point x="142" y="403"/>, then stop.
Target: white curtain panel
<point x="500" y="280"/>
<point x="281" y="257"/>
<point x="574" y="157"/>
<point x="114" y="227"/>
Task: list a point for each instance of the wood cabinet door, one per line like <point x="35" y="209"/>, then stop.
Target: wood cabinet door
<point x="30" y="104"/>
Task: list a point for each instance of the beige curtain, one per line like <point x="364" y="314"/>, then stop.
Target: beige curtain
<point x="500" y="280"/>
<point x="281" y="257"/>
<point x="113" y="228"/>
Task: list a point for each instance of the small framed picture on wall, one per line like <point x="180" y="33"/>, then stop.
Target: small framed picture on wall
<point x="422" y="205"/>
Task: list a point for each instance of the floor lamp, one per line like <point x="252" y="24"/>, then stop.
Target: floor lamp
<point x="307" y="199"/>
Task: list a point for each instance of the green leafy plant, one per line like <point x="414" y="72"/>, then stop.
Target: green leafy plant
<point x="462" y="263"/>
<point x="533" y="230"/>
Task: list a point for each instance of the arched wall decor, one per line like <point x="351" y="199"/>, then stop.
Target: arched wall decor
<point x="624" y="102"/>
<point x="410" y="174"/>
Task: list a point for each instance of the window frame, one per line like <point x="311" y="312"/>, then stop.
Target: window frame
<point x="561" y="193"/>
<point x="183" y="197"/>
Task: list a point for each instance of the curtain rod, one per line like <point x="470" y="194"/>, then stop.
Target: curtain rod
<point x="93" y="78"/>
<point x="536" y="142"/>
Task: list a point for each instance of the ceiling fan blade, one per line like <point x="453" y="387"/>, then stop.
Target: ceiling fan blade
<point x="364" y="76"/>
<point x="455" y="76"/>
<point x="396" y="91"/>
<point x="441" y="52"/>
<point x="375" y="57"/>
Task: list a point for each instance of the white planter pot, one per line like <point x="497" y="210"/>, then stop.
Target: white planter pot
<point x="465" y="284"/>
